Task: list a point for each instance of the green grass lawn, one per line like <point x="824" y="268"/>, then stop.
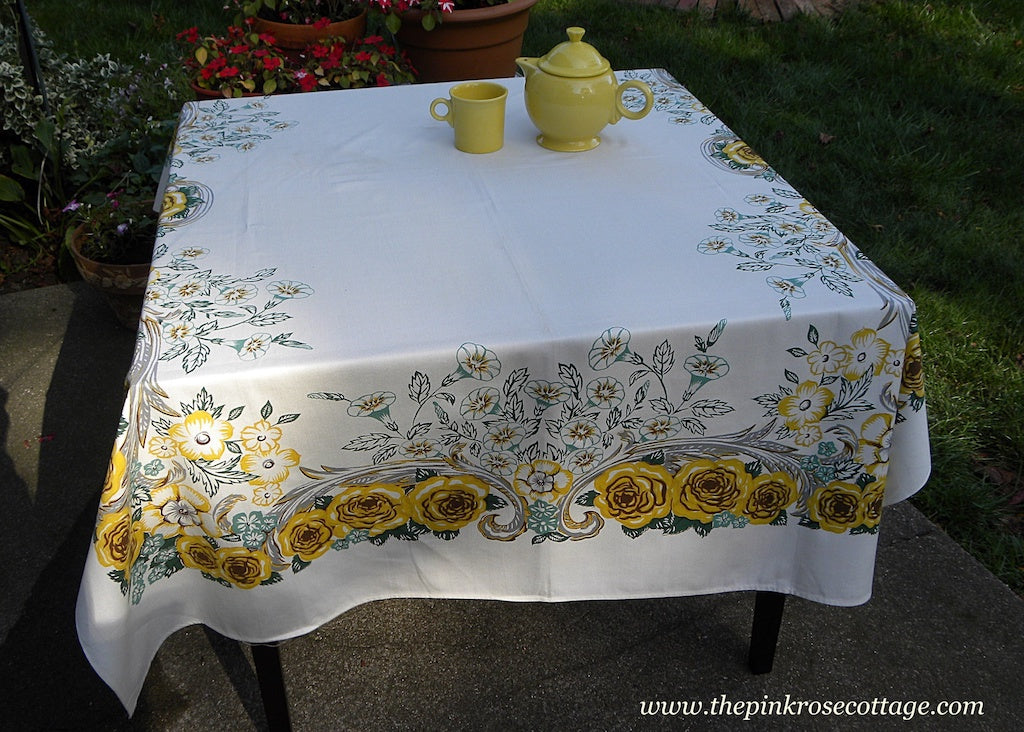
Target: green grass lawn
<point x="901" y="120"/>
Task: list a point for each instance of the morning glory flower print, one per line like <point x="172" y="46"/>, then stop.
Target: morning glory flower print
<point x="659" y="428"/>
<point x="502" y="463"/>
<point x="478" y="362"/>
<point x="480" y="402"/>
<point x="372" y="405"/>
<point x="289" y="290"/>
<point x="791" y="287"/>
<point x="419" y="449"/>
<point x="236" y="294"/>
<point x="504" y="436"/>
<point x="612" y="346"/>
<point x="580" y="433"/>
<point x="192" y="253"/>
<point x="548" y="392"/>
<point x="605" y="393"/>
<point x="715" y="245"/>
<point x="580" y="461"/>
<point x="254" y="346"/>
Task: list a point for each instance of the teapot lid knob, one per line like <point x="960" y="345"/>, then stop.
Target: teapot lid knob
<point x="574" y="58"/>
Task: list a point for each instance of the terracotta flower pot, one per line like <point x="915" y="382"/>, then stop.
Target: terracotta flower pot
<point x="482" y="43"/>
<point x="296" y="36"/>
<point x="123" y="285"/>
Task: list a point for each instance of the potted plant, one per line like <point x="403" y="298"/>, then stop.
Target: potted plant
<point x="111" y="222"/>
<point x="297" y="23"/>
<point x="241" y="63"/>
<point x="451" y="40"/>
<point x="334" y="63"/>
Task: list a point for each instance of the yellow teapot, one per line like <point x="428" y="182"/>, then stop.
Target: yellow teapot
<point x="572" y="93"/>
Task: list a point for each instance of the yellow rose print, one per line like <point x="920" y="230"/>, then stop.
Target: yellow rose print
<point x="448" y="503"/>
<point x="196" y="553"/>
<point x="913" y="368"/>
<point x="871" y="501"/>
<point x="868" y="352"/>
<point x="243" y="568"/>
<point x="805" y="406"/>
<point x="118" y="540"/>
<point x="768" y="496"/>
<point x="740" y="152"/>
<point x="706" y="487"/>
<point x="200" y="436"/>
<point x="261" y="437"/>
<point x="837" y="507"/>
<point x="634" y="494"/>
<point x="174" y="203"/>
<point x="306" y="535"/>
<point x="270" y="468"/>
<point x="377" y="507"/>
<point x="543" y="480"/>
<point x="115" y="474"/>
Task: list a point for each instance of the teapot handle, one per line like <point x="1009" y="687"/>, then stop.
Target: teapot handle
<point x="648" y="99"/>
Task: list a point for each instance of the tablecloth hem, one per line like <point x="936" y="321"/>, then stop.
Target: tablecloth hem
<point x="129" y="697"/>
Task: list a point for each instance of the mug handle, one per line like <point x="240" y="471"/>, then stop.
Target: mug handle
<point x="648" y="99"/>
<point x="447" y="116"/>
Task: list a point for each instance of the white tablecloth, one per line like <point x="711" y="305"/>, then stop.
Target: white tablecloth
<point x="373" y="366"/>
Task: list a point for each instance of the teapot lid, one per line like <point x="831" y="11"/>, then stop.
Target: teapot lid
<point x="574" y="57"/>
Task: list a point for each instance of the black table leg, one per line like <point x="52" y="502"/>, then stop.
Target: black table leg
<point x="267" y="660"/>
<point x="764" y="634"/>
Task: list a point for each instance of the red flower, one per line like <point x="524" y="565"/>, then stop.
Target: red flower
<point x="373" y="39"/>
<point x="307" y="82"/>
<point x="382" y="80"/>
<point x="228" y="72"/>
<point x="268" y="39"/>
<point x="322" y="23"/>
<point x="239" y="49"/>
<point x="363" y="56"/>
<point x="191" y="35"/>
<point x="271" y="63"/>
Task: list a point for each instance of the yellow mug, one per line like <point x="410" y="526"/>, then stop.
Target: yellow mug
<point x="476" y="109"/>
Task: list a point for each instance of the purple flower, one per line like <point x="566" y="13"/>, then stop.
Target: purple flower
<point x="121" y="228"/>
<point x="72" y="206"/>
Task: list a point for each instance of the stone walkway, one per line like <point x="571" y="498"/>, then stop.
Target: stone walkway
<point x="766" y="10"/>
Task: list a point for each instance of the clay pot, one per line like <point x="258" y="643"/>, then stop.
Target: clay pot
<point x="482" y="43"/>
<point x="123" y="285"/>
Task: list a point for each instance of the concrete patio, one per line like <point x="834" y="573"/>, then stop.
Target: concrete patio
<point x="939" y="628"/>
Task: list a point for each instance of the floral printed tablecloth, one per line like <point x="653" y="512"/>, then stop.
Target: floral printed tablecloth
<point x="372" y="366"/>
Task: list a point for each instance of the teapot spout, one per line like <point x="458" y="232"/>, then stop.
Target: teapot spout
<point x="528" y="65"/>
